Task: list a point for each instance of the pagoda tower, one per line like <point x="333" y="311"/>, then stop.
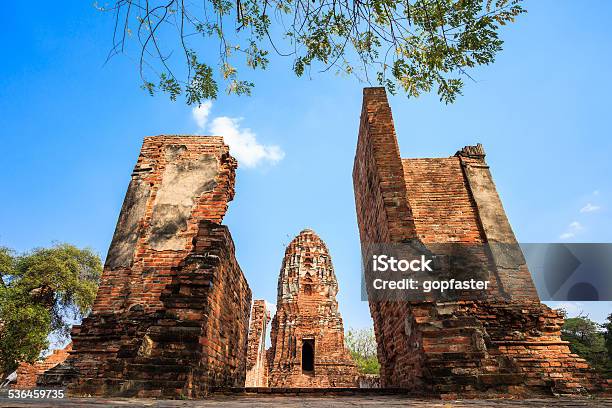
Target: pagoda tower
<point x="307" y="332"/>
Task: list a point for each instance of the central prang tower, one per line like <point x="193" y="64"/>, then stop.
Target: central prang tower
<point x="307" y="333"/>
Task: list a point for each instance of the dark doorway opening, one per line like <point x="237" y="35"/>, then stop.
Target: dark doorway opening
<point x="308" y="349"/>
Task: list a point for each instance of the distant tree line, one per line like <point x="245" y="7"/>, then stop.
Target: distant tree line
<point x="588" y="339"/>
<point x="591" y="341"/>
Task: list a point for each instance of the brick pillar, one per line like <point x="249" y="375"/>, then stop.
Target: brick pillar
<point x="171" y="314"/>
<point x="257" y="363"/>
<point x="507" y="343"/>
<point x="378" y="175"/>
<point x="383" y="215"/>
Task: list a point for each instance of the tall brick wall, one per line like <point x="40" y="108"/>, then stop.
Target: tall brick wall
<point x="171" y="314"/>
<point x="257" y="362"/>
<point x="445" y="212"/>
<point x="507" y="344"/>
<point x="438" y="191"/>
<point x="513" y="280"/>
<point x="383" y="216"/>
<point x="307" y="315"/>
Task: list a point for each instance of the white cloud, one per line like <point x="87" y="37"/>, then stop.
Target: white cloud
<point x="242" y="141"/>
<point x="575" y="226"/>
<point x="200" y="114"/>
<point x="589" y="208"/>
<point x="571" y="231"/>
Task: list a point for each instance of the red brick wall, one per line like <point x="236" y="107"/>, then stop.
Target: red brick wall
<point x="123" y="287"/>
<point x="171" y="314"/>
<point x="441" y="204"/>
<point x="510" y="343"/>
<point x="28" y="373"/>
<point x="257" y="362"/>
<point x="383" y="216"/>
<point x="444" y="210"/>
<point x="225" y="311"/>
<point x="513" y="278"/>
<point x="381" y="199"/>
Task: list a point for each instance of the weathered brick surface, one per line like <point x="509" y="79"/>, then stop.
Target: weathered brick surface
<point x="444" y="211"/>
<point x="171" y="314"/>
<point x="28" y="373"/>
<point x="438" y="191"/>
<point x="257" y="362"/>
<point x="307" y="312"/>
<point x="507" y="344"/>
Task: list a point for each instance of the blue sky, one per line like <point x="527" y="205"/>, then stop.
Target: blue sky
<point x="71" y="129"/>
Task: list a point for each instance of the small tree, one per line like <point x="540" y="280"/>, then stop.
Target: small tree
<point x="362" y="345"/>
<point x="40" y="291"/>
<point x="587" y="341"/>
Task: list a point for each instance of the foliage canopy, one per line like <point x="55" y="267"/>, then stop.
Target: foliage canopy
<point x="40" y="292"/>
<point x="362" y="346"/>
<point x="410" y="45"/>
<point x="590" y="341"/>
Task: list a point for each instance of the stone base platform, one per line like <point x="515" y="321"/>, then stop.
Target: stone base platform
<point x="307" y="401"/>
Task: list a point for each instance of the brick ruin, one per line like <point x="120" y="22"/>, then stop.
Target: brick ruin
<point x="257" y="362"/>
<point x="171" y="314"/>
<point x="507" y="344"/>
<point x="28" y="373"/>
<point x="171" y="318"/>
<point x="307" y="332"/>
